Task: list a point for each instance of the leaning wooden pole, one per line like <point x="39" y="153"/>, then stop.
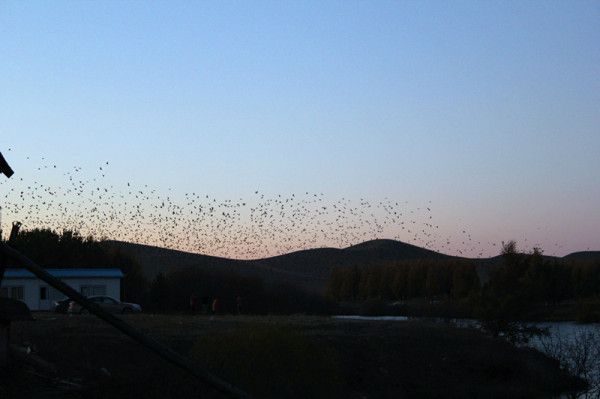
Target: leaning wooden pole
<point x="162" y="350"/>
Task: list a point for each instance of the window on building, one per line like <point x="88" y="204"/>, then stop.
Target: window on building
<point x="91" y="290"/>
<point x="13" y="292"/>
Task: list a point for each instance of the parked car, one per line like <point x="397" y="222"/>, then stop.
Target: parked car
<point x="107" y="303"/>
<point x="62" y="306"/>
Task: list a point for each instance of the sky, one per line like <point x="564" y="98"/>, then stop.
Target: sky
<point x="486" y="113"/>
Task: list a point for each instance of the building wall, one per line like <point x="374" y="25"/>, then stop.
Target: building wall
<point x="31" y="289"/>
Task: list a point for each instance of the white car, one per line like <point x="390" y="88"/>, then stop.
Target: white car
<point x="107" y="303"/>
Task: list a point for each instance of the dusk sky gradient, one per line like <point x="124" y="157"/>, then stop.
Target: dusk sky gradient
<point x="490" y="110"/>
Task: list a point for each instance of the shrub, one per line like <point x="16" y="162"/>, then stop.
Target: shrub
<point x="373" y="307"/>
<point x="587" y="311"/>
<point x="271" y="362"/>
<point x="579" y="354"/>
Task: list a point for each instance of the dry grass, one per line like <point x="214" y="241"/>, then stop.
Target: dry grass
<point x="358" y="359"/>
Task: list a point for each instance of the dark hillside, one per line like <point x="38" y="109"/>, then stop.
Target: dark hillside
<point x="394" y="250"/>
<point x="308" y="269"/>
<point x="592" y="256"/>
<point x="156" y="259"/>
<point x="321" y="261"/>
<point x="311" y="262"/>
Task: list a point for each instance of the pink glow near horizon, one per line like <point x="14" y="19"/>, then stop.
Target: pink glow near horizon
<point x="253" y="226"/>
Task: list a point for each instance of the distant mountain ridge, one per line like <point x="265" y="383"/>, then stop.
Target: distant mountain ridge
<point x="308" y="269"/>
<point x="385" y="248"/>
<point x="584" y="255"/>
<point x="320" y="262"/>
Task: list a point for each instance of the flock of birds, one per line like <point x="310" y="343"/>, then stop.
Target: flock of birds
<point x="257" y="226"/>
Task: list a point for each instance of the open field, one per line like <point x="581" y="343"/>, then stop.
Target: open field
<point x="285" y="356"/>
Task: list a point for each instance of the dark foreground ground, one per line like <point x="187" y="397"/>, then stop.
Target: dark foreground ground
<point x="277" y="357"/>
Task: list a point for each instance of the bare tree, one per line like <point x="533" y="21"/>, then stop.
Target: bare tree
<point x="579" y="354"/>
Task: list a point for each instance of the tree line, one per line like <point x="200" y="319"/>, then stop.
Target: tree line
<point x="535" y="278"/>
<point x="402" y="280"/>
<point x="524" y="277"/>
<point x="525" y="280"/>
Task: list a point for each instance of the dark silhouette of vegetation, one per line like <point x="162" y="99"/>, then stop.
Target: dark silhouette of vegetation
<point x="516" y="284"/>
<point x="434" y="279"/>
<point x="272" y="362"/>
<point x="61" y="250"/>
<point x="525" y="280"/>
<point x="579" y="354"/>
<point x="159" y="295"/>
<point x="172" y="291"/>
<point x="70" y="250"/>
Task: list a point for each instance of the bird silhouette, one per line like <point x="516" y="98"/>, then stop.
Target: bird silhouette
<point x="82" y="199"/>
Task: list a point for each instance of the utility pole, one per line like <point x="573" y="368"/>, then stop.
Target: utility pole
<point x="8" y="172"/>
<point x="4" y="168"/>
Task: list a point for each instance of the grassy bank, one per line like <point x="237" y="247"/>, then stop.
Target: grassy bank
<point x="296" y="356"/>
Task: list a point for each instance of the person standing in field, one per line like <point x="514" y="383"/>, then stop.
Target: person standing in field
<point x="206" y="305"/>
<point x="239" y="303"/>
<point x="194" y="303"/>
<point x="216" y="306"/>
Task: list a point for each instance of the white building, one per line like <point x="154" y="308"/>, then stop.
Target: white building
<point x="38" y="295"/>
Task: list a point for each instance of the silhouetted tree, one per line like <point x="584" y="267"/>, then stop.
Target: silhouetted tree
<point x="159" y="294"/>
<point x="465" y="281"/>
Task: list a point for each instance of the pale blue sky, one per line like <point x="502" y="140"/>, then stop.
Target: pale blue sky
<point x="491" y="110"/>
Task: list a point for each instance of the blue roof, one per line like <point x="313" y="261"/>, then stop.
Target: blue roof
<point x="67" y="273"/>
